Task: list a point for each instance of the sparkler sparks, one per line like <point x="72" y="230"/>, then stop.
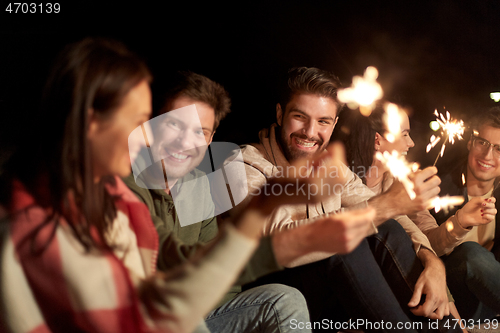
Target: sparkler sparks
<point x="446" y="203"/>
<point x="433" y="141"/>
<point x="364" y="92"/>
<point x="392" y="118"/>
<point x="399" y="168"/>
<point x="452" y="128"/>
<point x="449" y="226"/>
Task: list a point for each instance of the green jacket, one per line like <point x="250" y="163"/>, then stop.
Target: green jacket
<point x="177" y="244"/>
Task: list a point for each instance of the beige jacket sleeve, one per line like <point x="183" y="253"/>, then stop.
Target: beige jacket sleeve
<point x="443" y="238"/>
<point x="352" y="194"/>
<point x="418" y="238"/>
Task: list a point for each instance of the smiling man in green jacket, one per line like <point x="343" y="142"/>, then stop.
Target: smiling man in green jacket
<point x="185" y="185"/>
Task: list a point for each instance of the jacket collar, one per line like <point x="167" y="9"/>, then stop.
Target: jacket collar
<point x="270" y="147"/>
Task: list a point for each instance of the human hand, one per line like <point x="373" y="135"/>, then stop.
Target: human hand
<point x="476" y="212"/>
<point x="341" y="232"/>
<point x="329" y="167"/>
<point x="432" y="284"/>
<point x="306" y="184"/>
<point x="426" y="186"/>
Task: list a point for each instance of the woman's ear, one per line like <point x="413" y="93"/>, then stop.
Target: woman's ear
<point x="378" y="141"/>
<point x="93" y="124"/>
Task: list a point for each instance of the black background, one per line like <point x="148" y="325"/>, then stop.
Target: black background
<point x="430" y="54"/>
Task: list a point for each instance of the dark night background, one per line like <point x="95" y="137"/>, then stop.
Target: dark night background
<point x="430" y="54"/>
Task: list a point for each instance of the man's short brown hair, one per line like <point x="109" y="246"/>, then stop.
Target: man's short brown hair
<point x="490" y="117"/>
<point x="311" y="80"/>
<point x="201" y="89"/>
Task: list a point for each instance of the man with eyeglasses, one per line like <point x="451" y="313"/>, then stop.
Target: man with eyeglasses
<point x="473" y="267"/>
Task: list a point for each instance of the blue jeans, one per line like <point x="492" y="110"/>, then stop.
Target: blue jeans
<point x="473" y="276"/>
<point x="393" y="251"/>
<point x="374" y="283"/>
<point x="268" y="308"/>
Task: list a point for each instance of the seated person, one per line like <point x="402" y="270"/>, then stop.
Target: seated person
<point x="78" y="249"/>
<point x="174" y="182"/>
<point x="363" y="137"/>
<point x="472" y="266"/>
<point x="306" y="116"/>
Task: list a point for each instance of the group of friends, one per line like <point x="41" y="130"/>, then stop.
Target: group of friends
<point x="93" y="226"/>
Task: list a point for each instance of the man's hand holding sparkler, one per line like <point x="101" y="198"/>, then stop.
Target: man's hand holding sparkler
<point x="396" y="200"/>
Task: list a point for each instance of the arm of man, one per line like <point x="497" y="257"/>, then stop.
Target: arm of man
<point x="337" y="233"/>
<point x="283" y="220"/>
<point x="341" y="189"/>
<point x="432" y="284"/>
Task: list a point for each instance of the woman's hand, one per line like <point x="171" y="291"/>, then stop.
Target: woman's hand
<point x="477" y="211"/>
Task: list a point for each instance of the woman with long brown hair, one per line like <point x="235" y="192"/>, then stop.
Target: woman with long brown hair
<point x="78" y="249"/>
<point x="363" y="137"/>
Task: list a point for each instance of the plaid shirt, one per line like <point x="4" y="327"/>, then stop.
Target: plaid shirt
<point x="65" y="289"/>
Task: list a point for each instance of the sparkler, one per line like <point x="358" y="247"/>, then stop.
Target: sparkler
<point x="364" y="92"/>
<point x="446" y="203"/>
<point x="452" y="128"/>
<point x="399" y="168"/>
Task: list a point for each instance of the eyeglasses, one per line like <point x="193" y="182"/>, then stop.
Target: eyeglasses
<point x="483" y="146"/>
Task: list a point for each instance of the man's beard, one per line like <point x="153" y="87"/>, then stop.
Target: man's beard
<point x="289" y="150"/>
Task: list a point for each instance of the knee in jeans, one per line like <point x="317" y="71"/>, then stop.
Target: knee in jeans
<point x="476" y="257"/>
<point x="287" y="294"/>
<point x="391" y="228"/>
<point x="289" y="302"/>
<point x="472" y="251"/>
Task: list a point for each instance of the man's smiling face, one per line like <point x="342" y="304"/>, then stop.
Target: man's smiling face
<point x="306" y="124"/>
<point x="183" y="136"/>
<point x="484" y="161"/>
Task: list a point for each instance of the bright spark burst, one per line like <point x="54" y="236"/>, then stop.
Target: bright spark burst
<point x="452" y="128"/>
<point x="393" y="119"/>
<point x="433" y="141"/>
<point x="449" y="226"/>
<point x="446" y="203"/>
<point x="399" y="168"/>
<point x="363" y="93"/>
